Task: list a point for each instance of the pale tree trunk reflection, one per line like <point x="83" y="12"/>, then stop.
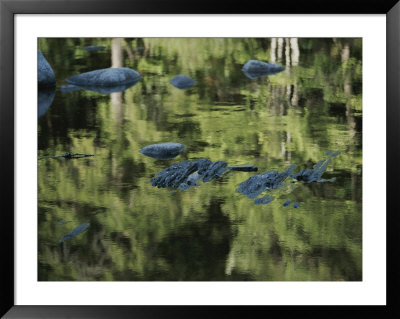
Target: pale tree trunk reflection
<point x="117" y="97"/>
<point x="347" y="87"/>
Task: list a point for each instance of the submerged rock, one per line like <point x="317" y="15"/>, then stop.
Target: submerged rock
<point x="94" y="47"/>
<point x="99" y="89"/>
<point x="314" y="175"/>
<point x="187" y="173"/>
<point x="256" y="69"/>
<point x="46" y="77"/>
<point x="75" y="232"/>
<point x="287" y="203"/>
<point x="110" y="77"/>
<point x="163" y="151"/>
<point x="257" y="184"/>
<point x="45" y="99"/>
<point x="69" y="88"/>
<point x="182" y="81"/>
<point x="244" y="168"/>
<point x="264" y="200"/>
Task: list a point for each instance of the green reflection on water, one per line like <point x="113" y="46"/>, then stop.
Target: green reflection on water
<point x="210" y="232"/>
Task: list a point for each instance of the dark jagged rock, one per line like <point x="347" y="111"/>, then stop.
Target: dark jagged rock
<point x="94" y="47"/>
<point x="182" y="81"/>
<point x="313" y="175"/>
<point x="244" y="168"/>
<point x="45" y="99"/>
<point x="256" y="69"/>
<point x="287" y="203"/>
<point x="187" y="173"/>
<point x="295" y="205"/>
<point x="174" y="175"/>
<point x="163" y="151"/>
<point x="190" y="181"/>
<point x="46" y="77"/>
<point x="109" y="77"/>
<point x="257" y="184"/>
<point x="264" y="200"/>
<point x="215" y="169"/>
<point x="76" y="231"/>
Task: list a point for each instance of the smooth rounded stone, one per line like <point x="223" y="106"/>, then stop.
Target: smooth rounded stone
<point x="109" y="77"/>
<point x="45" y="99"/>
<point x="94" y="47"/>
<point x="163" y="151"/>
<point x="287" y="203"/>
<point x="182" y="81"/>
<point x="254" y="69"/>
<point x="46" y="77"/>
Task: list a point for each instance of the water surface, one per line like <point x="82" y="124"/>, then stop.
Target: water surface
<point x="137" y="232"/>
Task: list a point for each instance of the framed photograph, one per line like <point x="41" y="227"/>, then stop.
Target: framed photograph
<point x="187" y="160"/>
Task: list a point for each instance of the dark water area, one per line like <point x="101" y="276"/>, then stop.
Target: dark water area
<point x="101" y="219"/>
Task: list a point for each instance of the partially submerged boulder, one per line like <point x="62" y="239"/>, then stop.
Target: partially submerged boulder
<point x="109" y="77"/>
<point x="257" y="184"/>
<point x="100" y="89"/>
<point x="315" y="174"/>
<point x="187" y="173"/>
<point x="163" y="151"/>
<point x="256" y="69"/>
<point x="46" y="77"/>
<point x="94" y="47"/>
<point x="182" y="81"/>
<point x="45" y="99"/>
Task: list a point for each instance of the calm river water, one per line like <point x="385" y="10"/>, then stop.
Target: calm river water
<point x="137" y="232"/>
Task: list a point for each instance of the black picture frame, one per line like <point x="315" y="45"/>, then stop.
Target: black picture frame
<point x="9" y="8"/>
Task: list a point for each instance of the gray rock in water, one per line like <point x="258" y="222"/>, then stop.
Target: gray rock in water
<point x="256" y="69"/>
<point x="46" y="77"/>
<point x="69" y="88"/>
<point x="187" y="173"/>
<point x="45" y="99"/>
<point x="94" y="47"/>
<point x="315" y="174"/>
<point x="109" y="77"/>
<point x="99" y="89"/>
<point x="287" y="203"/>
<point x="163" y="151"/>
<point x="257" y="184"/>
<point x="264" y="200"/>
<point x="76" y="231"/>
<point x="182" y="81"/>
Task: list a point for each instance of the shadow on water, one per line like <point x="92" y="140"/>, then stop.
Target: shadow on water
<point x="197" y="251"/>
<point x="45" y="99"/>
